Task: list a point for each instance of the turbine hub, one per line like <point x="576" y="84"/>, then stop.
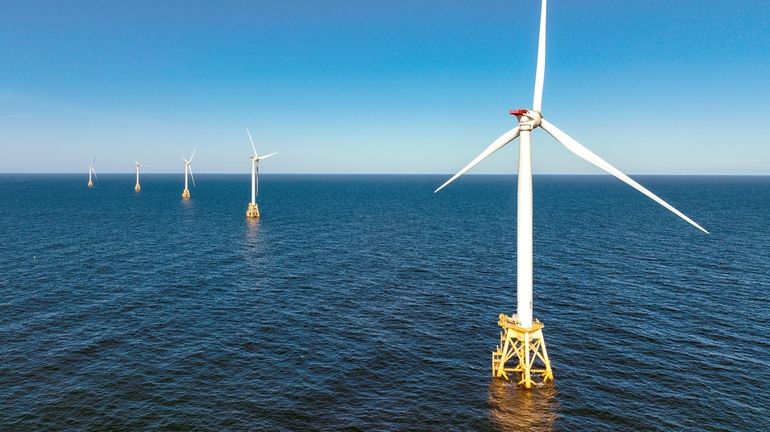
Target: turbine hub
<point x="528" y="119"/>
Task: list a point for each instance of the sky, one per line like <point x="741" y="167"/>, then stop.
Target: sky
<point x="342" y="86"/>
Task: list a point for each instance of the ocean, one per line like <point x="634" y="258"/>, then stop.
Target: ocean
<point x="366" y="302"/>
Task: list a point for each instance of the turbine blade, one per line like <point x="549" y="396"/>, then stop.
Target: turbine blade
<point x="537" y="103"/>
<point x="267" y="156"/>
<point x="252" y="142"/>
<point x="578" y="149"/>
<point x="186" y="161"/>
<point x="94" y="172"/>
<point x="193" y="154"/>
<point x="191" y="175"/>
<point x="495" y="146"/>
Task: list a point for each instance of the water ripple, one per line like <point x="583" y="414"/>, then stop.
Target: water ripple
<point x="368" y="303"/>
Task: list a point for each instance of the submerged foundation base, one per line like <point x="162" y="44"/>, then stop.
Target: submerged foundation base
<point x="252" y="211"/>
<point x="90" y="184"/>
<point x="137" y="188"/>
<point x="521" y="352"/>
<point x="186" y="193"/>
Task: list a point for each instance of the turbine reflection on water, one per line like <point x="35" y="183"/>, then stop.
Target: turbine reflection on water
<point x="252" y="226"/>
<point x="514" y="408"/>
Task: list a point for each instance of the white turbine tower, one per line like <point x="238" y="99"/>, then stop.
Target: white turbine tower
<point x="252" y="211"/>
<point x="521" y="336"/>
<point x="188" y="169"/>
<point x="137" y="188"/>
<point x="91" y="172"/>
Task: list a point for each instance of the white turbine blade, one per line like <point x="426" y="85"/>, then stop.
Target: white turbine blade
<point x="495" y="146"/>
<point x="252" y="142"/>
<point x="537" y="103"/>
<point x="267" y="156"/>
<point x="186" y="162"/>
<point x="94" y="172"/>
<point x="580" y="150"/>
<point x="193" y="154"/>
<point x="191" y="175"/>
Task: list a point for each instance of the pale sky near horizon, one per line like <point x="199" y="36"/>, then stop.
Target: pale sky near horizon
<point x="654" y="87"/>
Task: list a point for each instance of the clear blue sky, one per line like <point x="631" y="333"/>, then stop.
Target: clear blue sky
<point x="657" y="86"/>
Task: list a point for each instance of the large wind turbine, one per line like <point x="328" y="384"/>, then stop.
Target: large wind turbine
<point x="91" y="171"/>
<point x="253" y="210"/>
<point x="188" y="168"/>
<point x="522" y="337"/>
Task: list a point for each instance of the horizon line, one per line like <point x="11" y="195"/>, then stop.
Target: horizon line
<point x="394" y="174"/>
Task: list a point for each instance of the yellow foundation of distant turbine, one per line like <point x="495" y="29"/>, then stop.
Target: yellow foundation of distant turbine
<point x="252" y="211"/>
<point x="137" y="188"/>
<point x="186" y="193"/>
<point x="90" y="184"/>
<point x="521" y="352"/>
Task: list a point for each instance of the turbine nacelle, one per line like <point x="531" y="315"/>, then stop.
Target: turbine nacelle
<point x="257" y="158"/>
<point x="528" y="119"/>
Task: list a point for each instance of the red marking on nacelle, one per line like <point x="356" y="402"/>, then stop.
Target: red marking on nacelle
<point x="518" y="112"/>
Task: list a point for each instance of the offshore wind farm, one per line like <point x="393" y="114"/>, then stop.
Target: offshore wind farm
<point x="350" y="295"/>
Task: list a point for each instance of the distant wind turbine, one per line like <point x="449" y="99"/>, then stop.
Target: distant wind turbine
<point x="521" y="337"/>
<point x="138" y="188"/>
<point x="188" y="168"/>
<point x="253" y="209"/>
<point x="91" y="171"/>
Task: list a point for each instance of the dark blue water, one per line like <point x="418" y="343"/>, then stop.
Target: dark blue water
<point x="368" y="303"/>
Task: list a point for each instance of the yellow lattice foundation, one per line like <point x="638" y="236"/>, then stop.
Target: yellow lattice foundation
<point x="90" y="184"/>
<point x="137" y="188"/>
<point x="186" y="193"/>
<point x="524" y="347"/>
<point x="252" y="211"/>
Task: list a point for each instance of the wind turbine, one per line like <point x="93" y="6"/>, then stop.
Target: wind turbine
<point x="137" y="188"/>
<point x="91" y="171"/>
<point x="522" y="337"/>
<point x="188" y="168"/>
<point x="252" y="211"/>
